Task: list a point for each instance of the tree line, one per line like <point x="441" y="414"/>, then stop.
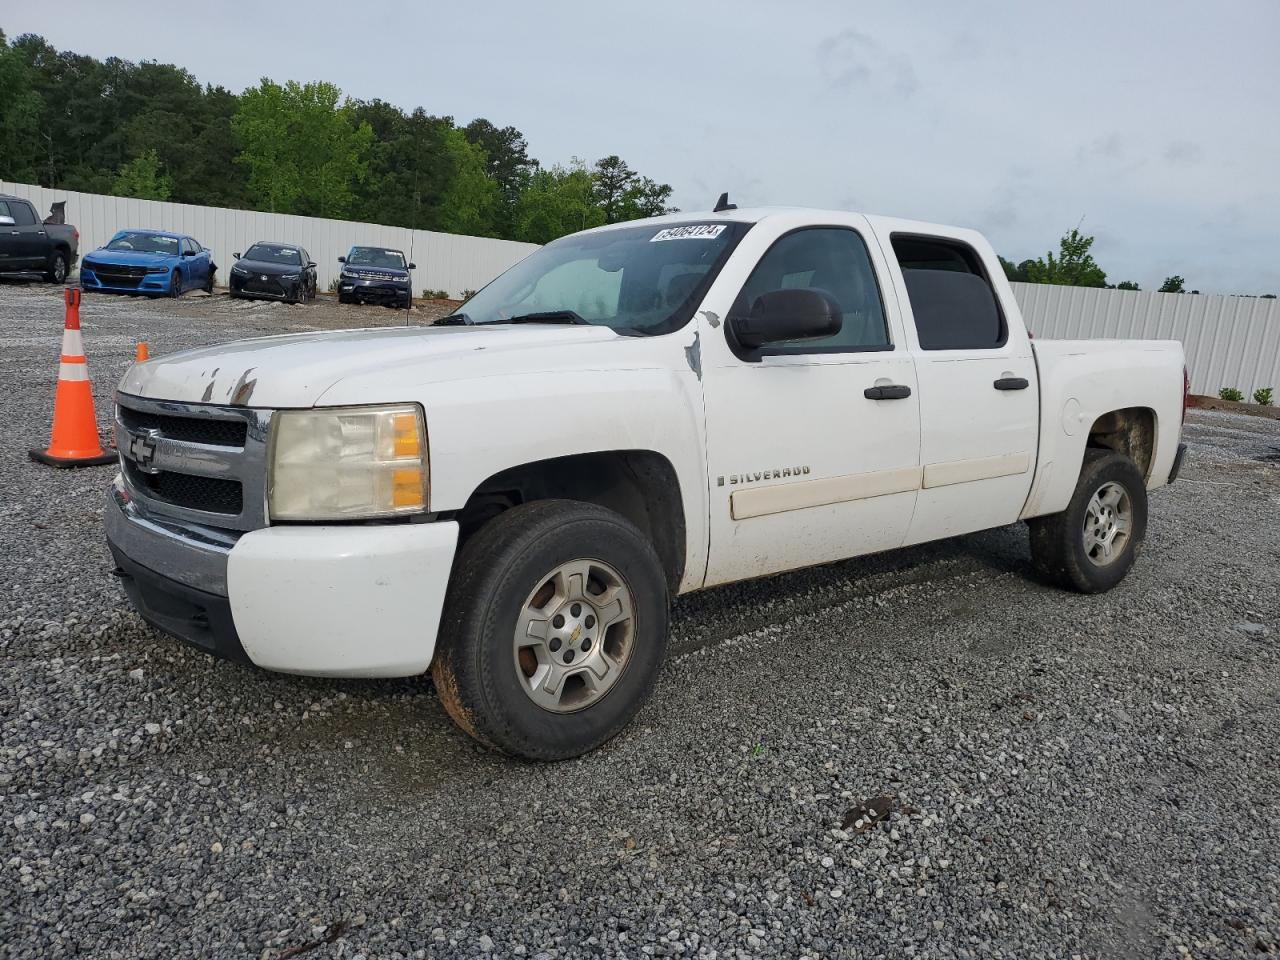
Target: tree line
<point x="152" y="131"/>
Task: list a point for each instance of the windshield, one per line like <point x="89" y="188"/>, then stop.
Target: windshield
<point x="375" y="257"/>
<point x="640" y="279"/>
<point x="144" y="242"/>
<point x="287" y="256"/>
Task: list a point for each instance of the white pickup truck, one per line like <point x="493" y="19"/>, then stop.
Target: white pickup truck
<point x="510" y="498"/>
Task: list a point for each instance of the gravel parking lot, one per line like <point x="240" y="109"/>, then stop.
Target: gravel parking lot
<point x="1092" y="776"/>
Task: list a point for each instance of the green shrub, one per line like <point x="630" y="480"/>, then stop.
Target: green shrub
<point x="435" y="295"/>
<point x="468" y="294"/>
<point x="1230" y="393"/>
<point x="1263" y="396"/>
<point x="333" y="285"/>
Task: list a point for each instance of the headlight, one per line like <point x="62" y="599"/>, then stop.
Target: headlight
<point x="348" y="275"/>
<point x="157" y="269"/>
<point x="240" y="271"/>
<point x="348" y="463"/>
<point x="289" y="276"/>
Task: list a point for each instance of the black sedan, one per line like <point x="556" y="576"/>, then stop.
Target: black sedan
<point x="274" y="271"/>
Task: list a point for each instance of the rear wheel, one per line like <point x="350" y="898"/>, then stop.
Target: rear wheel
<point x="1091" y="545"/>
<point x="57" y="270"/>
<point x="554" y="629"/>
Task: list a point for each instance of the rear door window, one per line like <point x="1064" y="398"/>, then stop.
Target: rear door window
<point x="952" y="300"/>
<point x="22" y="215"/>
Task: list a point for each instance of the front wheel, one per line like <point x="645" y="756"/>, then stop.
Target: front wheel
<point x="1091" y="545"/>
<point x="175" y="284"/>
<point x="554" y="629"/>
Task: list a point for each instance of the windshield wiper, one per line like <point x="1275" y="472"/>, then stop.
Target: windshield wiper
<point x="548" y="316"/>
<point x="454" y="320"/>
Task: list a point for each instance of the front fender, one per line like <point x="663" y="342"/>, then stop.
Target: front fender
<point x="477" y="428"/>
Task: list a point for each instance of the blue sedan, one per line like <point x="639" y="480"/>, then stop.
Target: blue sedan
<point x="151" y="262"/>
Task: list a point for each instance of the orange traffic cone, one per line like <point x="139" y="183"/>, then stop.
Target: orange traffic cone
<point x="75" y="440"/>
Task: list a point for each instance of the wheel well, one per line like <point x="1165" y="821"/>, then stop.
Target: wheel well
<point x="1131" y="431"/>
<point x="639" y="484"/>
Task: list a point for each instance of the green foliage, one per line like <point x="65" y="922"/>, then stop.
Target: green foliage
<point x="1262" y="396"/>
<point x="19" y="117"/>
<point x="1172" y="284"/>
<point x="114" y="126"/>
<point x="1230" y="393"/>
<point x="1074" y="266"/>
<point x="141" y="178"/>
<point x="435" y="295"/>
<point x="556" y="201"/>
<point x="471" y="198"/>
<point x="468" y="294"/>
<point x="303" y="153"/>
<point x="1127" y="285"/>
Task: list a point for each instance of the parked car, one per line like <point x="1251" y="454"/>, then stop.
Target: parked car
<point x="149" y="261"/>
<point x="274" y="271"/>
<point x="510" y="500"/>
<point x="29" y="246"/>
<point x="377" y="275"/>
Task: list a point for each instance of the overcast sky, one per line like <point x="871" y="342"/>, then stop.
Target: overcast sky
<point x="1156" y="122"/>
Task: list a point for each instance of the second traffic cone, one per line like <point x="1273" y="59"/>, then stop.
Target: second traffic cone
<point x="75" y="440"/>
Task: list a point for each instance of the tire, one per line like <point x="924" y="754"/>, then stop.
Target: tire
<point x="525" y="559"/>
<point x="175" y="285"/>
<point x="208" y="284"/>
<point x="1059" y="550"/>
<point x="343" y="298"/>
<point x="298" y="296"/>
<point x="408" y="302"/>
<point x="57" y="272"/>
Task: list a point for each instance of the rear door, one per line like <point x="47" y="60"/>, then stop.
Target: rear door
<point x="979" y="406"/>
<point x="805" y="464"/>
<point x="10" y="238"/>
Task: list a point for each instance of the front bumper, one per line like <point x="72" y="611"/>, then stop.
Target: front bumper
<point x="380" y="291"/>
<point x="334" y="601"/>
<point x="154" y="284"/>
<point x="273" y="288"/>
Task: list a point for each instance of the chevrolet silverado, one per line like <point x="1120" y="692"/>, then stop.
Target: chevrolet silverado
<point x="510" y="498"/>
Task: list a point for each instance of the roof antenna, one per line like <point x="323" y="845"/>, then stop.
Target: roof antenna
<point x="723" y="203"/>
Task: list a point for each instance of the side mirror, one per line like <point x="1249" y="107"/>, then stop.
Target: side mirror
<point x="782" y="316"/>
<point x="342" y="259"/>
<point x="413" y="266"/>
<point x="7" y="222"/>
<point x="310" y="264"/>
<point x="237" y="256"/>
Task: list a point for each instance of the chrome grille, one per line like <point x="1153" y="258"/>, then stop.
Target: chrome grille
<point x="193" y="462"/>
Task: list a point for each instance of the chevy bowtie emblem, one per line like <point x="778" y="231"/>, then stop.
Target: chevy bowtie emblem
<point x="142" y="450"/>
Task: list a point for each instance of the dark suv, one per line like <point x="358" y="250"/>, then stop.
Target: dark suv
<point x="375" y="274"/>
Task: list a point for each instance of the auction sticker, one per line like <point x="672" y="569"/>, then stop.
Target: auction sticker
<point x="694" y="231"/>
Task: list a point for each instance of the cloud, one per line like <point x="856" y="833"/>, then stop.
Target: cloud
<point x="1183" y="152"/>
<point x="1107" y="147"/>
<point x="852" y="58"/>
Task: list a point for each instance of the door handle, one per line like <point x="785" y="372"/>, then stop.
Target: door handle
<point x="1011" y="383"/>
<point x="892" y="392"/>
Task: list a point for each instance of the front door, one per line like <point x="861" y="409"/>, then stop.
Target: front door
<point x="810" y="457"/>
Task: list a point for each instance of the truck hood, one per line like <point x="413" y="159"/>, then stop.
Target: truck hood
<point x="296" y="369"/>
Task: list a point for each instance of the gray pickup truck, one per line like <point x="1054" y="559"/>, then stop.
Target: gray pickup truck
<point x="28" y="245"/>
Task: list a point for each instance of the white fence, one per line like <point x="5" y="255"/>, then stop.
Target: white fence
<point x="1229" y="341"/>
<point x="445" y="261"/>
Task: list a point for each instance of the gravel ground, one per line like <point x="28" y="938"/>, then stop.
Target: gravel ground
<point x="1092" y="776"/>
